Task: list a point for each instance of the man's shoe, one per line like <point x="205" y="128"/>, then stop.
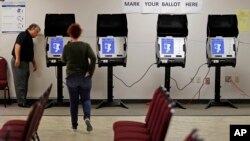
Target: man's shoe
<point x="24" y="105"/>
<point x="88" y="124"/>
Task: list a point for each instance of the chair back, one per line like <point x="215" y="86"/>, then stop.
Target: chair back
<point x="160" y="118"/>
<point x="161" y="127"/>
<point x="32" y="123"/>
<point x="3" y="78"/>
<point x="35" y="120"/>
<point x="46" y="94"/>
<point x="30" y="118"/>
<point x="152" y="104"/>
<point x="43" y="101"/>
<point x="3" y="68"/>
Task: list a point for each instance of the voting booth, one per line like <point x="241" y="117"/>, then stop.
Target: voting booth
<point x="111" y="49"/>
<point x="172" y="31"/>
<point x="55" y="32"/>
<point x="55" y="45"/>
<point x="221" y="49"/>
<point x="222" y="43"/>
<point x="112" y="39"/>
<point x="171" y="40"/>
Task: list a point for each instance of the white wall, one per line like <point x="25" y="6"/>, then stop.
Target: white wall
<point x="141" y="51"/>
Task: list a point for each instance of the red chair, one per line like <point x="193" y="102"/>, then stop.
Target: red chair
<point x="148" y="115"/>
<point x="20" y="132"/>
<point x="3" y="79"/>
<point x="156" y="122"/>
<point x="32" y="121"/>
<point x="6" y="136"/>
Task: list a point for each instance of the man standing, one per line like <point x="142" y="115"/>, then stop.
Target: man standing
<point x="23" y="54"/>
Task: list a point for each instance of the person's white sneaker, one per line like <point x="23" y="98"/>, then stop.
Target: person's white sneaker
<point x="88" y="124"/>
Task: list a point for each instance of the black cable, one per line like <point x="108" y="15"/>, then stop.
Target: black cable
<point x="237" y="49"/>
<point x="63" y="82"/>
<point x="240" y="42"/>
<point x="135" y="81"/>
<point x="56" y="73"/>
<point x="244" y="42"/>
<point x="199" y="91"/>
<point x="190" y="80"/>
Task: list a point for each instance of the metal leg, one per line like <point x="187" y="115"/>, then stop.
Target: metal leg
<point x="114" y="103"/>
<point x="178" y="104"/>
<point x="167" y="86"/>
<point x="217" y="101"/>
<point x="220" y="103"/>
<point x="9" y="101"/>
<point x="5" y="98"/>
<point x="110" y="102"/>
<point x="59" y="102"/>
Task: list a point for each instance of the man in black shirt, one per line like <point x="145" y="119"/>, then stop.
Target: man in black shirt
<point x="23" y="54"/>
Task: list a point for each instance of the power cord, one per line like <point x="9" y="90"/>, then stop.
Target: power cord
<point x="199" y="91"/>
<point x="190" y="80"/>
<point x="244" y="42"/>
<point x="57" y="76"/>
<point x="135" y="81"/>
<point x="238" y="88"/>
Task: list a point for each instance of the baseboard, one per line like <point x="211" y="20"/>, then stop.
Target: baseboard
<point x="134" y="101"/>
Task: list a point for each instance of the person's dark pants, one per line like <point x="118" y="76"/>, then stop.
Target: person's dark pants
<point x="21" y="76"/>
<point x="78" y="85"/>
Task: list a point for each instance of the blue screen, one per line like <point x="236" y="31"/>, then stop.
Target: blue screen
<point x="56" y="44"/>
<point x="108" y="46"/>
<point x="167" y="46"/>
<point x="217" y="46"/>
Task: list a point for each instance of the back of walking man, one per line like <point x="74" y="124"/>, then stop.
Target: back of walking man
<point x="23" y="54"/>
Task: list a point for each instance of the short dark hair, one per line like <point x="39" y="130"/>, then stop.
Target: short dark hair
<point x="33" y="25"/>
<point x="74" y="30"/>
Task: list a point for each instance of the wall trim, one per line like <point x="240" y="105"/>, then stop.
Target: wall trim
<point x="139" y="101"/>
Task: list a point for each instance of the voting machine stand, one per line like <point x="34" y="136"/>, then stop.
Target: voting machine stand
<point x="111" y="50"/>
<point x="170" y="48"/>
<point x="221" y="50"/>
<point x="55" y="32"/>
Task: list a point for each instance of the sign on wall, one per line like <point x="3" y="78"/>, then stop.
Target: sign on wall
<point x="131" y="6"/>
<point x="162" y="6"/>
<point x="243" y="16"/>
<point x="12" y="17"/>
